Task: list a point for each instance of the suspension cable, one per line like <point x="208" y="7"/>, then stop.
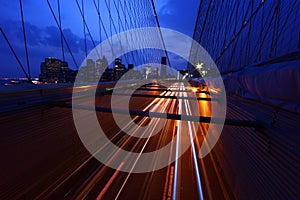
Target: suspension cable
<point x="161" y="36"/>
<point x="62" y="34"/>
<point x="25" y="40"/>
<point x="84" y="29"/>
<point x="61" y="38"/>
<point x="87" y="27"/>
<point x="240" y="31"/>
<point x="17" y="58"/>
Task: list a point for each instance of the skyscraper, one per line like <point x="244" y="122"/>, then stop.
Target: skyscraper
<point x="101" y="65"/>
<point x="130" y="66"/>
<point x="56" y="71"/>
<point x="163" y="67"/>
<point x="119" y="69"/>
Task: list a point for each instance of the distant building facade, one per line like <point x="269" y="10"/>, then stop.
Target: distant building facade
<point x="56" y="71"/>
<point x="155" y="73"/>
<point x="119" y="69"/>
<point x="87" y="73"/>
<point x="101" y="65"/>
<point x="108" y="75"/>
<point x="130" y="66"/>
<point x="163" y="73"/>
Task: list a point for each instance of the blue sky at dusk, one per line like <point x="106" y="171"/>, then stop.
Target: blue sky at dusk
<point x="43" y="35"/>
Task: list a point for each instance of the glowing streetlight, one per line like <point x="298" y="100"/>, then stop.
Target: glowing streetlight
<point x="199" y="65"/>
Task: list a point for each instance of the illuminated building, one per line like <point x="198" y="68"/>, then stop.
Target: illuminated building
<point x="56" y="71"/>
<point x="119" y="69"/>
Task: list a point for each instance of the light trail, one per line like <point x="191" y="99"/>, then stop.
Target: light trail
<point x="105" y="189"/>
<point x="61" y="181"/>
<point x="175" y="182"/>
<point x="194" y="155"/>
<point x="108" y="184"/>
<point x="159" y="105"/>
<point x="154" y="122"/>
<point x="170" y="171"/>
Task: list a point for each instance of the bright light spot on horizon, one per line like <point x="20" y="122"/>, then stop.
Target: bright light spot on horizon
<point x="194" y="89"/>
<point x="84" y="87"/>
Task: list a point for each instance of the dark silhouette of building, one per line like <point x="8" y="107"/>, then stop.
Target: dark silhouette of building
<point x="118" y="61"/>
<point x="56" y="71"/>
<point x="119" y="69"/>
<point x="130" y="66"/>
<point x="108" y="75"/>
<point x="71" y="76"/>
<point x="163" y="67"/>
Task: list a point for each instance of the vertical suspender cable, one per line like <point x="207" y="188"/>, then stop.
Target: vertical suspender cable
<point x="84" y="31"/>
<point x="25" y="42"/>
<point x="99" y="23"/>
<point x="87" y="27"/>
<point x="104" y="29"/>
<point x="57" y="23"/>
<point x="162" y="39"/>
<point x="61" y="37"/>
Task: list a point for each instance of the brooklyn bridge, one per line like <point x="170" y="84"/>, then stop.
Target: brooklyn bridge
<point x="150" y="99"/>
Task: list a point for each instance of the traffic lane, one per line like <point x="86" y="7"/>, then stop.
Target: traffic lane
<point x="146" y="181"/>
<point x="106" y="120"/>
<point x="211" y="179"/>
<point x="71" y="188"/>
<point x="187" y="186"/>
<point x="143" y="185"/>
<point x="31" y="136"/>
<point x="214" y="186"/>
<point x="206" y="108"/>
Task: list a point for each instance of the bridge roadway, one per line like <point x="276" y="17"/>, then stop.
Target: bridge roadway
<point x="43" y="157"/>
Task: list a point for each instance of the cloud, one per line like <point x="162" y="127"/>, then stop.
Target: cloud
<point x="163" y="7"/>
<point x="42" y="42"/>
<point x="48" y="36"/>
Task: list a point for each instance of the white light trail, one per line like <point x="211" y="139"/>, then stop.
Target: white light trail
<point x="194" y="155"/>
<point x="177" y="149"/>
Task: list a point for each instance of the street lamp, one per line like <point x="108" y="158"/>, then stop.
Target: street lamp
<point x="199" y="66"/>
<point x="186" y="75"/>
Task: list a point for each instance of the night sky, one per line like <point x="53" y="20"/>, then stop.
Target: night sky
<point x="43" y="35"/>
